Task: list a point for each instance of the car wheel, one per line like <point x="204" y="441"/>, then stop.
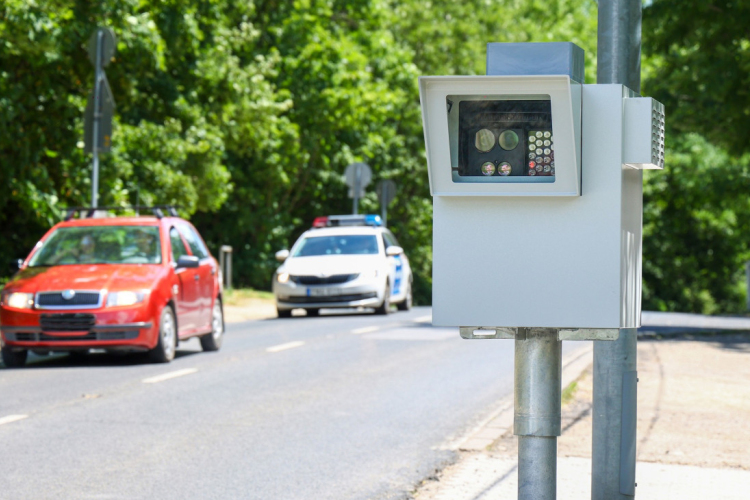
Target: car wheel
<point x="313" y="312"/>
<point x="385" y="307"/>
<point x="212" y="341"/>
<point x="283" y="313"/>
<point x="14" y="358"/>
<point x="405" y="304"/>
<point x="167" y="343"/>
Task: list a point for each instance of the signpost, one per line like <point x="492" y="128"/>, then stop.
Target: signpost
<point x="386" y="190"/>
<point x="357" y="176"/>
<point x="100" y="106"/>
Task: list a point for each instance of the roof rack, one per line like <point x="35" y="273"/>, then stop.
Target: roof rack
<point x="157" y="210"/>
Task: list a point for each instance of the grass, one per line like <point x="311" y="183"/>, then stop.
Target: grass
<point x="569" y="392"/>
<point x="239" y="296"/>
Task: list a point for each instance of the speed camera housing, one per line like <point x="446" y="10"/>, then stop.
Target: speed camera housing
<point x="559" y="247"/>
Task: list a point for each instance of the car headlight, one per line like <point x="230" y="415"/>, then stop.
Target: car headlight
<point x="282" y="277"/>
<point x="127" y="298"/>
<point x="18" y="300"/>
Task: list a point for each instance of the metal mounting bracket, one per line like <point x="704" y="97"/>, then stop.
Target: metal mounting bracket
<point x="511" y="332"/>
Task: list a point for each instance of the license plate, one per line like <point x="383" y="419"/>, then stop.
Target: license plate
<point x="323" y="292"/>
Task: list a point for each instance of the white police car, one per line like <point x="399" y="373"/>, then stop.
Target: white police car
<point x="343" y="261"/>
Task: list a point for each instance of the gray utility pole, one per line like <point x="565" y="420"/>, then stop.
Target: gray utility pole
<point x="357" y="176"/>
<point x="100" y="107"/>
<point x="615" y="376"/>
<point x="386" y="190"/>
<point x="538" y="375"/>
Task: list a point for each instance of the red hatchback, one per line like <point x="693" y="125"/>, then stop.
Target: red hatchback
<point x="116" y="283"/>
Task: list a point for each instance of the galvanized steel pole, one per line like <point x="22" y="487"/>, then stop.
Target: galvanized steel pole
<point x="615" y="376"/>
<point x="538" y="375"/>
<point x="97" y="121"/>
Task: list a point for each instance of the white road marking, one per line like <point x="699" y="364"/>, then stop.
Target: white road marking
<point x="169" y="375"/>
<point x="366" y="329"/>
<point x="423" y="319"/>
<point x="12" y="418"/>
<point x="283" y="347"/>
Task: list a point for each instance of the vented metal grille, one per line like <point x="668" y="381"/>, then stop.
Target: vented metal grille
<point x="57" y="300"/>
<point x="657" y="134"/>
<point x="330" y="299"/>
<point x="43" y="337"/>
<point x="74" y="322"/>
<point x="327" y="280"/>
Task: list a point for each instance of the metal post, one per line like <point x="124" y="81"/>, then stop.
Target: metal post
<point x="747" y="280"/>
<point x="357" y="187"/>
<point x="225" y="258"/>
<point x="384" y="211"/>
<point x="538" y="376"/>
<point x="615" y="413"/>
<point x="97" y="116"/>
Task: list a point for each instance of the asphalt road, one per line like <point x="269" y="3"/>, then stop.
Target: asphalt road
<point x="335" y="407"/>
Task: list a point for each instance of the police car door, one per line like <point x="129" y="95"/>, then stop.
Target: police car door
<point x="395" y="267"/>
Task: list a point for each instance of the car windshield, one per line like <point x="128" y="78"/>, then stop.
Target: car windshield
<point x="350" y="244"/>
<point x="100" y="245"/>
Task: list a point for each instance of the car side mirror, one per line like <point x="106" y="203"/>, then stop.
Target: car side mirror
<point x="188" y="261"/>
<point x="282" y="255"/>
<point x="393" y="251"/>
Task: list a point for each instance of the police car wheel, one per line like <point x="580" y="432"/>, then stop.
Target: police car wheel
<point x="385" y="307"/>
<point x="405" y="304"/>
<point x="313" y="312"/>
<point x="283" y="313"/>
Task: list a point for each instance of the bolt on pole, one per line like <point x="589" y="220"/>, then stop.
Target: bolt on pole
<point x="615" y="376"/>
<point x="537" y="394"/>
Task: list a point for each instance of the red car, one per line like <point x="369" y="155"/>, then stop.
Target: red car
<point x="115" y="283"/>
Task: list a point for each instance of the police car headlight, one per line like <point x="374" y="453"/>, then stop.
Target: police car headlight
<point x="118" y="299"/>
<point x="282" y="277"/>
<point x="18" y="300"/>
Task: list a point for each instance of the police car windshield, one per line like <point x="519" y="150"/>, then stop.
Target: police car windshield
<point x="352" y="244"/>
<point x="100" y="245"/>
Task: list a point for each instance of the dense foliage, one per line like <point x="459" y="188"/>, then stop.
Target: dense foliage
<point x="246" y="114"/>
<point x="697" y="62"/>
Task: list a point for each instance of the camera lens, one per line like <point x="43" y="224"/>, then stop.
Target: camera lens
<point x="484" y="140"/>
<point x="508" y="140"/>
<point x="504" y="168"/>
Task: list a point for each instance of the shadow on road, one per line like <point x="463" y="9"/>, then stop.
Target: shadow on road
<point x="92" y="360"/>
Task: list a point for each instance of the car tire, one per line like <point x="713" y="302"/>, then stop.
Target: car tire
<point x="313" y="312"/>
<point x="385" y="307"/>
<point x="283" y="313"/>
<point x="212" y="341"/>
<point x="406" y="304"/>
<point x="166" y="345"/>
<point x="14" y="358"/>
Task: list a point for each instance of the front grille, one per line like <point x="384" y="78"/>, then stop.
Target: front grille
<point x="56" y="299"/>
<point x="74" y="322"/>
<point x="336" y="298"/>
<point x="43" y="337"/>
<point x="327" y="280"/>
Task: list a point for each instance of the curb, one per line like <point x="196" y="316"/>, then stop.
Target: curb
<point x="500" y="421"/>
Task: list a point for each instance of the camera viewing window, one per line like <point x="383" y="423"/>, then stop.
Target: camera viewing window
<point x="508" y="140"/>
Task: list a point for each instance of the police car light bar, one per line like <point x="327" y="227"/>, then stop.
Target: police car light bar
<point x="348" y="220"/>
